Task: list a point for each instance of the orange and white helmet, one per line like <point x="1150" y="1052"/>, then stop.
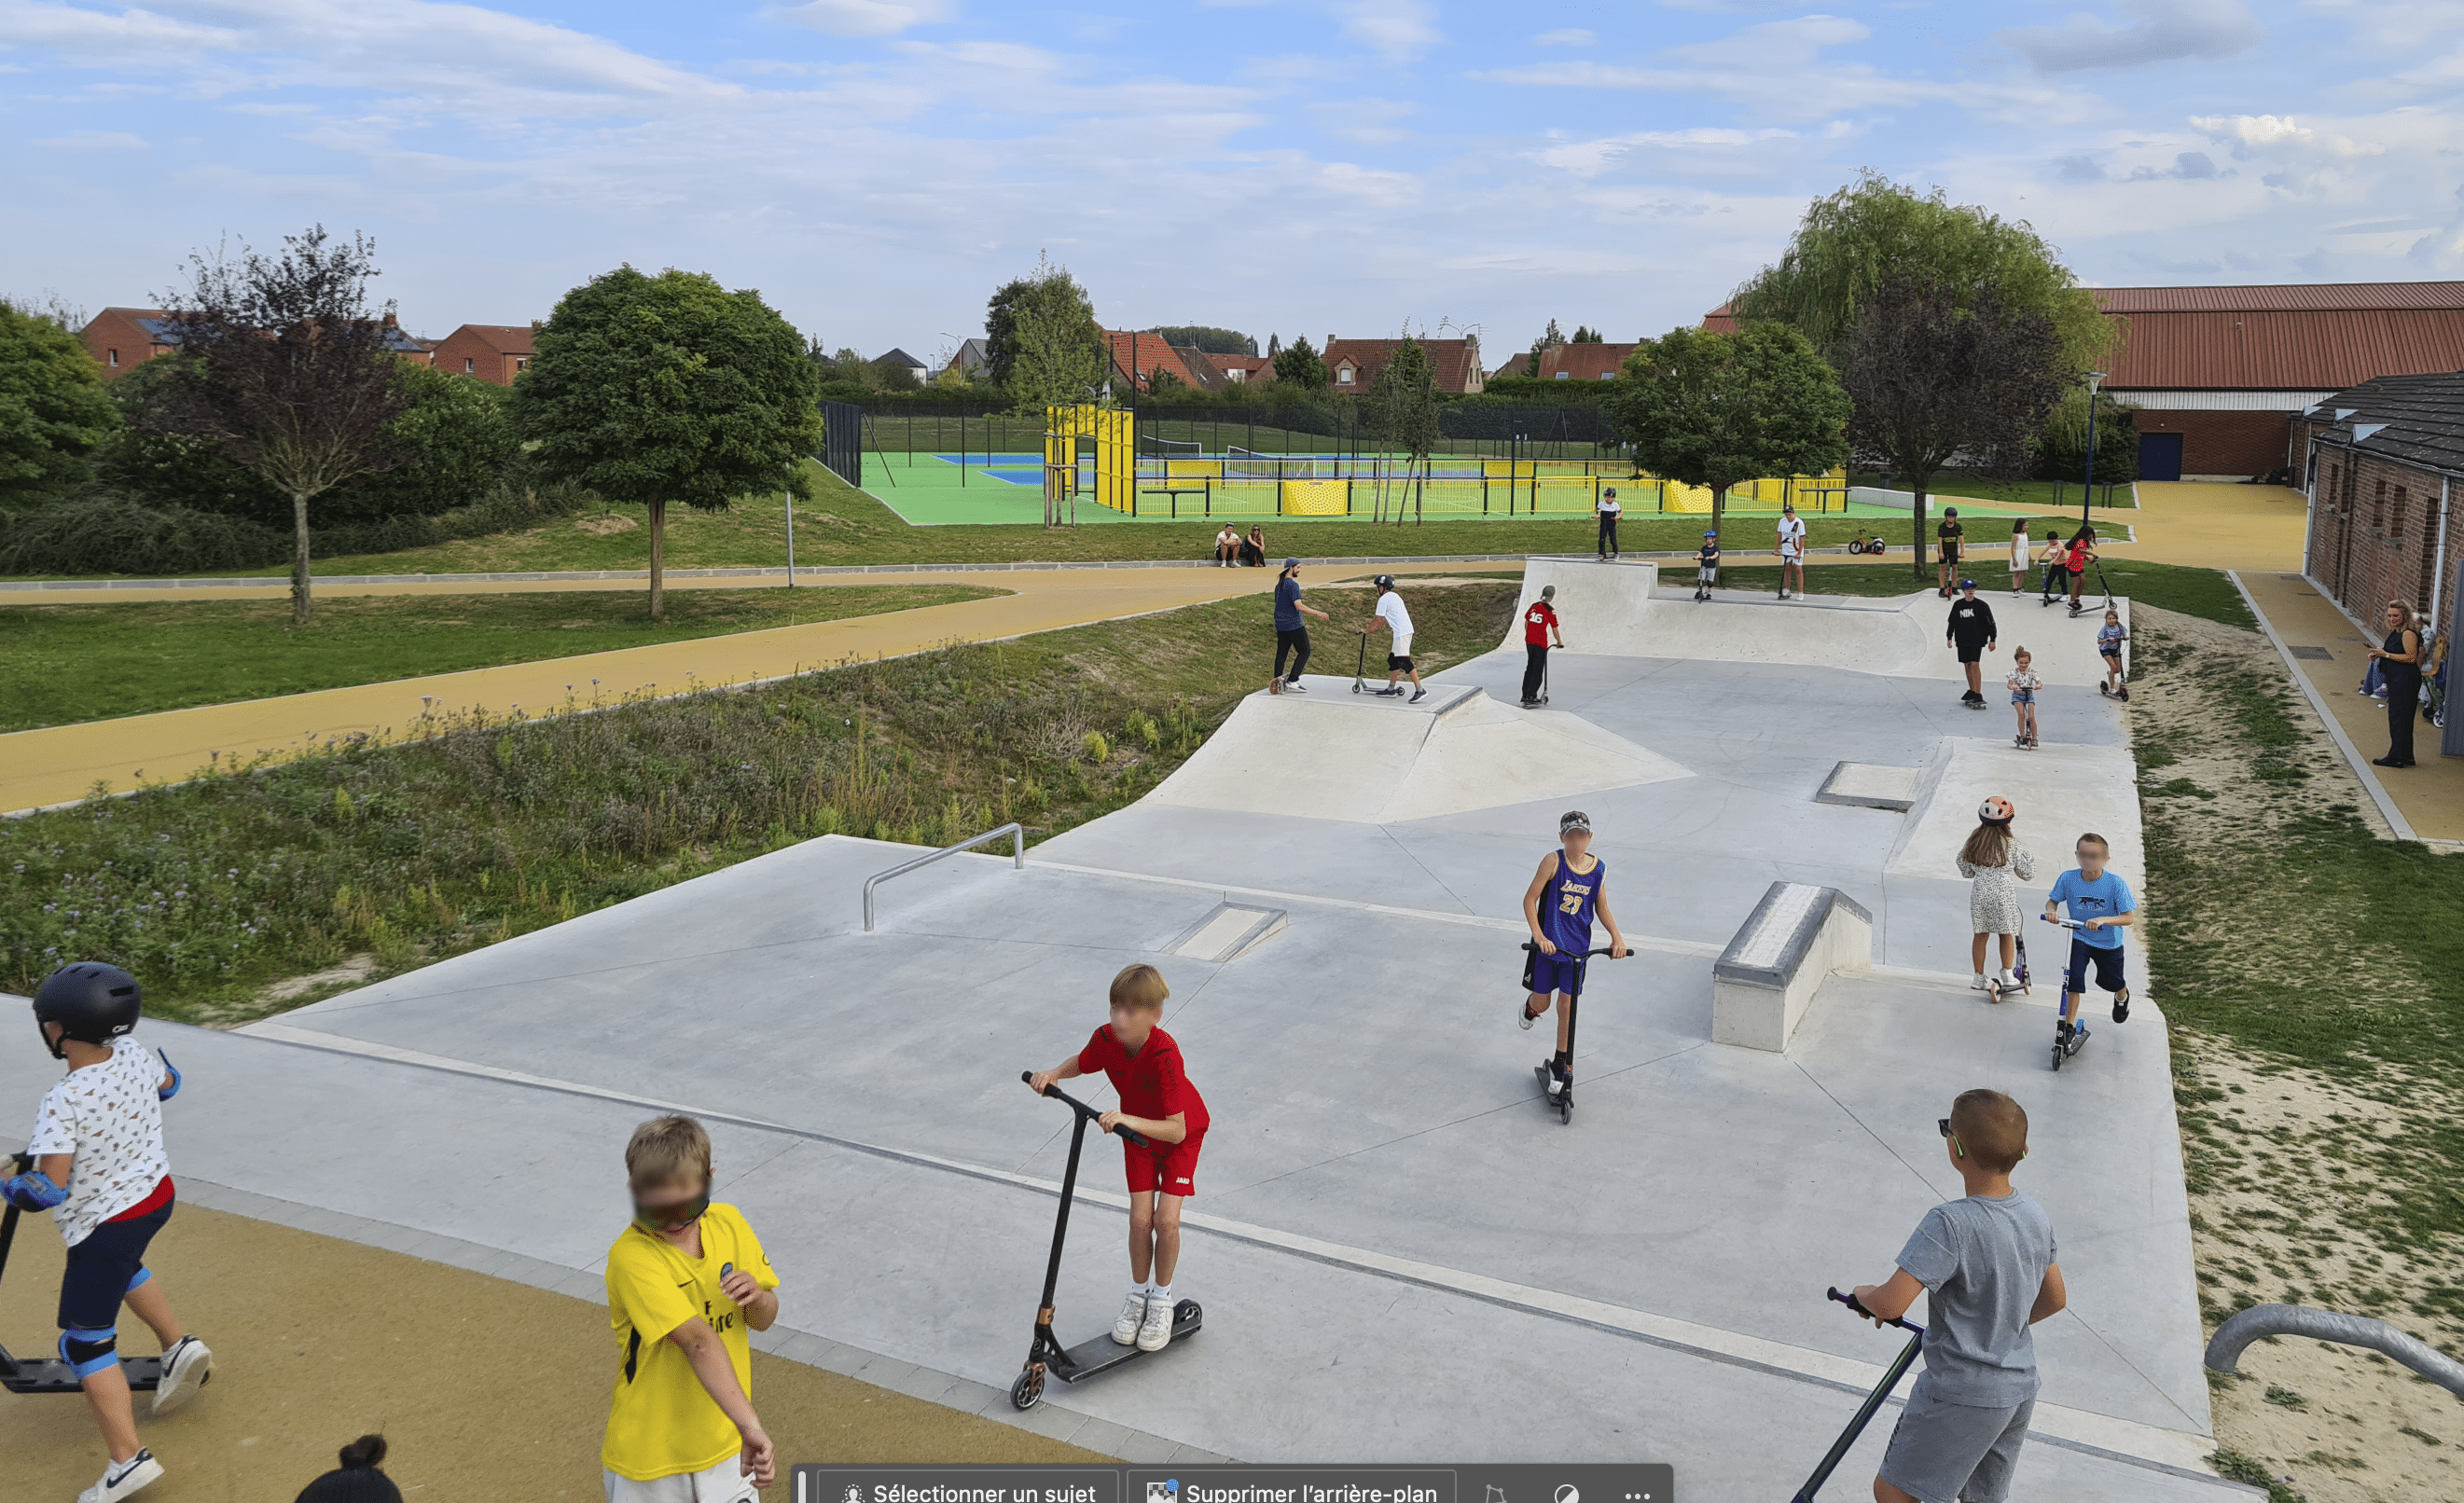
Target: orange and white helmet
<point x="1996" y="811"/>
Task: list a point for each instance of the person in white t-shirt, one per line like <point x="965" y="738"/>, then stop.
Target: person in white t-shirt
<point x="1391" y="615"/>
<point x="96" y="1163"/>
<point x="1791" y="549"/>
<point x="1608" y="508"/>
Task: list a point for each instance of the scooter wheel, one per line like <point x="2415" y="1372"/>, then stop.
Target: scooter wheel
<point x="2060" y="1055"/>
<point x="1027" y="1391"/>
<point x="1184" y="1310"/>
<point x="1355" y="688"/>
<point x="1565" y="1109"/>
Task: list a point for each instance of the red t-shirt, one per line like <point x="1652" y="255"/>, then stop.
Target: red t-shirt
<point x="1150" y="1083"/>
<point x="1536" y="622"/>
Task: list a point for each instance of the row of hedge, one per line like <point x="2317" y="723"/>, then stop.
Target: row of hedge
<point x="108" y="532"/>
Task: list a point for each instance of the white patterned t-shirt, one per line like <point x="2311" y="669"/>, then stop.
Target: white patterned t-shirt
<point x="109" y="1116"/>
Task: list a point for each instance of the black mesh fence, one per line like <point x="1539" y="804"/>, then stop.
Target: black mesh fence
<point x="1344" y="425"/>
<point x="843" y="440"/>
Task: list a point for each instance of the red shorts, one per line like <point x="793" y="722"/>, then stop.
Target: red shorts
<point x="1171" y="1167"/>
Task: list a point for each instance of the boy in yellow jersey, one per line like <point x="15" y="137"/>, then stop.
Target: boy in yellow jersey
<point x="685" y="1282"/>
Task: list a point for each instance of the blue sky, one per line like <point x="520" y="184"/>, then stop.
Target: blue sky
<point x="876" y="167"/>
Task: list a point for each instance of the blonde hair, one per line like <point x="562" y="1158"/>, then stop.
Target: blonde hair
<point x="1140" y="986"/>
<point x="1992" y="1127"/>
<point x="2408" y="620"/>
<point x="665" y="1151"/>
<point x="1988" y="844"/>
<point x="2016" y="653"/>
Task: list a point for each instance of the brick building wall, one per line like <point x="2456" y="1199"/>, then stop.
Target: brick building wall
<point x="2236" y="444"/>
<point x="119" y="342"/>
<point x="2374" y="532"/>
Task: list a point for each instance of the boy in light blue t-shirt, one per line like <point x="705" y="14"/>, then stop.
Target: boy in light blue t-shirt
<point x="2103" y="905"/>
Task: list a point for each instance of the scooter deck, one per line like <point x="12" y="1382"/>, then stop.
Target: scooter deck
<point x="1562" y="1103"/>
<point x="1088" y="1359"/>
<point x="51" y="1375"/>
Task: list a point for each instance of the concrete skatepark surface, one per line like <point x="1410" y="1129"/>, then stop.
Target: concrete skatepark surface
<point x="1403" y="1256"/>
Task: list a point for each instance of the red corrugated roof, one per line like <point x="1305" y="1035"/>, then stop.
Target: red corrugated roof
<point x="2301" y="297"/>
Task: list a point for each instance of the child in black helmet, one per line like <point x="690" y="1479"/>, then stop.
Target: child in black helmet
<point x="99" y="1169"/>
<point x="1392" y="615"/>
<point x="1706" y="566"/>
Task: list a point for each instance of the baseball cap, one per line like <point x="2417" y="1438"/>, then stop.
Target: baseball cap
<point x="1292" y="564"/>
<point x="1548" y="592"/>
<point x="1967" y="584"/>
<point x="1574" y="819"/>
<point x="1711" y="535"/>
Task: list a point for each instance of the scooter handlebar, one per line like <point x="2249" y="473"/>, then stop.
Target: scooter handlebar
<point x="2062" y="924"/>
<point x="1850" y="1300"/>
<point x="1605" y="950"/>
<point x="1135" y="1140"/>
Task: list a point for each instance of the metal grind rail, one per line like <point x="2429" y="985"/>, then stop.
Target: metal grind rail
<point x="2259" y="1321"/>
<point x="1016" y="831"/>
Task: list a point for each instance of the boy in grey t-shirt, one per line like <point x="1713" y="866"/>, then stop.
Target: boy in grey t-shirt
<point x="1986" y="1264"/>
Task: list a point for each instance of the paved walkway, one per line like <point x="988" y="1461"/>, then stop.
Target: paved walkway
<point x="2213" y="525"/>
<point x="2329" y="655"/>
<point x="62" y="763"/>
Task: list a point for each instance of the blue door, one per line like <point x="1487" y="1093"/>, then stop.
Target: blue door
<point x="2160" y="456"/>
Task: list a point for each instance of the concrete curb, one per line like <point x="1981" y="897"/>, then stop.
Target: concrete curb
<point x="642" y="576"/>
<point x="2361" y="763"/>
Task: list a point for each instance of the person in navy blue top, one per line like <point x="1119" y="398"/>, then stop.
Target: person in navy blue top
<point x="1291" y="633"/>
<point x="1568" y="890"/>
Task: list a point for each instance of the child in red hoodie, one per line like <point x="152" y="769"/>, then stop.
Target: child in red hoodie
<point x="1159" y="1104"/>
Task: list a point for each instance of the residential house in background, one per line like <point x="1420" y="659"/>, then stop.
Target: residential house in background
<point x="1352" y="365"/>
<point x="1241" y="370"/>
<point x="2383" y="465"/>
<point x="494" y="352"/>
<point x="901" y="360"/>
<point x="1584" y="361"/>
<point x="121" y="338"/>
<point x="973" y="357"/>
<point x="1137" y="356"/>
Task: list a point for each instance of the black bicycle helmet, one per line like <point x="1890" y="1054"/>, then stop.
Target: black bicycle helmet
<point x="92" y="1002"/>
<point x="1385" y="581"/>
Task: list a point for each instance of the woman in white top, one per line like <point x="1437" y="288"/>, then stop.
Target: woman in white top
<point x="1608" y="508"/>
<point x="2018" y="555"/>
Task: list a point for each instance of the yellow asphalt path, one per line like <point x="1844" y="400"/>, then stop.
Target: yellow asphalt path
<point x="62" y="763"/>
<point x="2215" y="525"/>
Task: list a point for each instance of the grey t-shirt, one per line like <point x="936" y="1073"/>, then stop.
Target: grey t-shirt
<point x="1982" y="1262"/>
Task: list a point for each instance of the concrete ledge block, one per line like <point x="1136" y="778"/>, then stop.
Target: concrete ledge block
<point x="1766" y="979"/>
<point x="1101" y="1436"/>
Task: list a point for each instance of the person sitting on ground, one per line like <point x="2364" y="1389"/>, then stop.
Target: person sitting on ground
<point x="1985" y="1262"/>
<point x="1253" y="548"/>
<point x="1228" y="546"/>
<point x="357" y="1480"/>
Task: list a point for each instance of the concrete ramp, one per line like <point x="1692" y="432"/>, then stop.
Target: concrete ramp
<point x="1332" y="754"/>
<point x="1611" y="610"/>
<point x="2061" y="792"/>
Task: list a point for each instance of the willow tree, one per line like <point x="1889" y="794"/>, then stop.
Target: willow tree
<point x="1853" y="241"/>
<point x="652" y="389"/>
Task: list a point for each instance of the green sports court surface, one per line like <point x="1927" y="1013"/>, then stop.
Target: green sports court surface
<point x="931" y="489"/>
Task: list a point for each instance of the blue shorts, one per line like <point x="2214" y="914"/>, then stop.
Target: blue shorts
<point x="1558" y="972"/>
<point x="104" y="1267"/>
<point x="2105" y="958"/>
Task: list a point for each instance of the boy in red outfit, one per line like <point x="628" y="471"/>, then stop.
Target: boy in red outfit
<point x="1539" y="624"/>
<point x="1159" y="1104"/>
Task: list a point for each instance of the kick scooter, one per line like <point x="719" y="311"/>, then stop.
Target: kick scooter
<point x="50" y="1374"/>
<point x="1994" y="989"/>
<point x="1874" y="1400"/>
<point x="2068" y="1044"/>
<point x="1045" y="1353"/>
<point x="1359" y="664"/>
<point x="1563" y="1099"/>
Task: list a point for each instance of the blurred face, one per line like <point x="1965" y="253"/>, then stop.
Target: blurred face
<point x="671" y="1207"/>
<point x="1577" y="842"/>
<point x="2091" y="856"/>
<point x="2021" y="661"/>
<point x="1132" y="1024"/>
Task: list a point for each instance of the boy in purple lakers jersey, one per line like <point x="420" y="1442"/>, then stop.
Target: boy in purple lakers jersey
<point x="1565" y="893"/>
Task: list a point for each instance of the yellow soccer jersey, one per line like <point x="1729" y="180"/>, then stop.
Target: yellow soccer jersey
<point x="663" y="1421"/>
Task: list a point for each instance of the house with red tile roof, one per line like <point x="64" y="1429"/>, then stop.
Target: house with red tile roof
<point x="1136" y="358"/>
<point x="121" y="338"/>
<point x="1354" y="365"/>
<point x="494" y="352"/>
<point x="1583" y="361"/>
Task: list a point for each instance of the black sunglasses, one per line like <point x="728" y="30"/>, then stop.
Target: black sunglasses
<point x="1943" y="1123"/>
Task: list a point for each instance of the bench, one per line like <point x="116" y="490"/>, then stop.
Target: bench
<point x="1766" y="979"/>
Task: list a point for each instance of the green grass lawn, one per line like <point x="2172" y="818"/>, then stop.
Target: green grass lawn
<point x="842" y="525"/>
<point x="61" y="664"/>
<point x="2193" y="591"/>
<point x="210" y="889"/>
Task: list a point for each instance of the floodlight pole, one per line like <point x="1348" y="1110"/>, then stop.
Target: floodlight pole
<point x="2088" y="486"/>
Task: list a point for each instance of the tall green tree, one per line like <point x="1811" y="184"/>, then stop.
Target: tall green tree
<point x="53" y="411"/>
<point x="287" y="368"/>
<point x="1299" y="367"/>
<point x="1933" y="381"/>
<point x="1052" y="362"/>
<point x="1852" y="241"/>
<point x="1718" y="409"/>
<point x="652" y="389"/>
<point x="1207" y="338"/>
<point x="2062" y="451"/>
<point x="460" y="436"/>
<point x="1065" y="317"/>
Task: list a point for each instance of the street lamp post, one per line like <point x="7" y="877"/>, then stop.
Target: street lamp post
<point x="2087" y="487"/>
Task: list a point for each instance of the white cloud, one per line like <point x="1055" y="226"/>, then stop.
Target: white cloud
<point x="866" y="17"/>
<point x="95" y="140"/>
<point x="1395" y="29"/>
<point x="1589" y="159"/>
<point x="1569" y="37"/>
<point x="2157" y="30"/>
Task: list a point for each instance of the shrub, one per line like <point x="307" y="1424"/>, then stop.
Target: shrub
<point x="1098" y="750"/>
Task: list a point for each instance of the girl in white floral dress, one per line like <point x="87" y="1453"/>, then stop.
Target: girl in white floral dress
<point x="1995" y="865"/>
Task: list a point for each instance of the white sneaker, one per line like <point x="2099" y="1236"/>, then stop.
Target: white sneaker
<point x="1978" y="983"/>
<point x="186" y="1368"/>
<point x="1133" y="1314"/>
<point x="123" y="1478"/>
<point x="2007" y="981"/>
<point x="1156" y="1334"/>
<point x="1523" y="1016"/>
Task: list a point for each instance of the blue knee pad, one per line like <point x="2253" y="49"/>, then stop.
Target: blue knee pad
<point x="139" y="1282"/>
<point x="89" y="1352"/>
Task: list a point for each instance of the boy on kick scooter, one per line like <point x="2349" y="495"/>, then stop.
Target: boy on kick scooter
<point x="1985" y="1262"/>
<point x="2102" y="906"/>
<point x="1565" y="891"/>
<point x="1159" y="1104"/>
